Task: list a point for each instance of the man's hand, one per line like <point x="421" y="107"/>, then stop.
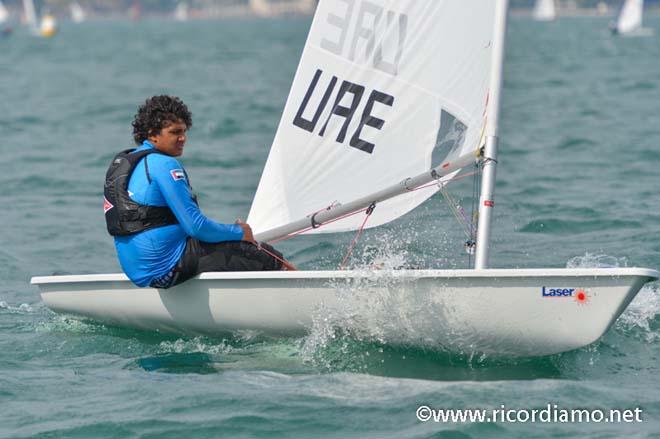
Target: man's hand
<point x="247" y="231"/>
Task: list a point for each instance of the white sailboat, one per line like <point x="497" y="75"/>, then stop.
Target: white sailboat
<point x="544" y="10"/>
<point x="48" y="25"/>
<point x="181" y="12"/>
<point x="269" y="8"/>
<point x="390" y="101"/>
<point x="629" y="21"/>
<point x="30" y="16"/>
<point x="5" y="27"/>
<point x="4" y="14"/>
<point x="77" y="12"/>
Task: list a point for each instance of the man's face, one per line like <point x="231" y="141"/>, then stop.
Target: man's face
<point x="171" y="139"/>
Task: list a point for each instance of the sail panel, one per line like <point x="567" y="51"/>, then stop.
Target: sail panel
<point x="4" y="14"/>
<point x="30" y="14"/>
<point x="376" y="82"/>
<point x="630" y="18"/>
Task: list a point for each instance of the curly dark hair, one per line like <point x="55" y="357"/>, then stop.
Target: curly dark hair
<point x="158" y="112"/>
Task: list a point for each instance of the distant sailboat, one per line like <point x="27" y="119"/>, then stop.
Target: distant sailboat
<point x="48" y="27"/>
<point x="4" y="14"/>
<point x="77" y="13"/>
<point x="30" y="16"/>
<point x="181" y="12"/>
<point x="544" y="10"/>
<point x="269" y="8"/>
<point x="629" y="21"/>
<point x="5" y="28"/>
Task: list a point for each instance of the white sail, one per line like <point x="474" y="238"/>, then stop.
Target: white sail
<point x="30" y="15"/>
<point x="385" y="90"/>
<point x="77" y="13"/>
<point x="544" y="10"/>
<point x="630" y="17"/>
<point x="48" y="26"/>
<point x="4" y="14"/>
<point x="181" y="12"/>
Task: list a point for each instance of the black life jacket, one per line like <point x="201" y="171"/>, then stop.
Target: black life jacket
<point x="124" y="216"/>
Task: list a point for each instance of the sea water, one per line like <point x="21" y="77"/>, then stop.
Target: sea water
<point x="577" y="186"/>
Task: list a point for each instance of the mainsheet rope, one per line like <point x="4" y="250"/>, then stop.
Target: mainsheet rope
<point x="370" y="210"/>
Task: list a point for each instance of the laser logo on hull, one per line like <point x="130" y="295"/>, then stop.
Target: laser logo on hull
<point x="557" y="292"/>
<point x="578" y="294"/>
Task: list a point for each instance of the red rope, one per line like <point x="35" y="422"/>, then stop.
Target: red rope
<point x="307" y="229"/>
<point x="273" y="255"/>
<point x="291" y="235"/>
<point x="370" y="210"/>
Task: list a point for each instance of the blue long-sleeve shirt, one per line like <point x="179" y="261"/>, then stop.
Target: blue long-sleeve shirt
<point x="148" y="255"/>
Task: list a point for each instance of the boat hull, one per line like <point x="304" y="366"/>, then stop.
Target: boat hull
<point x="529" y="312"/>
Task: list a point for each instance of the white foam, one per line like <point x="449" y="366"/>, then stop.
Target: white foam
<point x="197" y="344"/>
<point x="23" y="308"/>
<point x="69" y="324"/>
<point x="591" y="260"/>
<point x="642" y="311"/>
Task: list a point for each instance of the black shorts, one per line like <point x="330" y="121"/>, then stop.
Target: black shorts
<point x="201" y="257"/>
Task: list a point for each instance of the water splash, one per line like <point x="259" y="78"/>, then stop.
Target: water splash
<point x="64" y="323"/>
<point x="591" y="260"/>
<point x="23" y="308"/>
<point x="642" y="314"/>
<point x="361" y="307"/>
<point x="382" y="307"/>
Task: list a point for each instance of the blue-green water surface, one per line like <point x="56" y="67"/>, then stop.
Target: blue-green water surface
<point x="578" y="185"/>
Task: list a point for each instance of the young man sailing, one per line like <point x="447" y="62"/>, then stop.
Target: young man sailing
<point x="161" y="236"/>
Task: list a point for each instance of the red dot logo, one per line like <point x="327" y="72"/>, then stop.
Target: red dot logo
<point x="581" y="297"/>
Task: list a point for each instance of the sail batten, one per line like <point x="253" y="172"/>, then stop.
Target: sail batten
<point x="384" y="90"/>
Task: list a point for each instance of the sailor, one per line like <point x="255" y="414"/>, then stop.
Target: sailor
<point x="161" y="236"/>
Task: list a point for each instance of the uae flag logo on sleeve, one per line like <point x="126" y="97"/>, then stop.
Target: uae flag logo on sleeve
<point x="177" y="174"/>
<point x="106" y="205"/>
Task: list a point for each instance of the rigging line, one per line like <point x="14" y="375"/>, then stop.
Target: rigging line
<point x="370" y="210"/>
<point x="458" y="212"/>
<point x="307" y="229"/>
<point x="274" y="256"/>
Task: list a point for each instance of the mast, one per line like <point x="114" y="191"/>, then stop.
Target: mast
<point x="486" y="201"/>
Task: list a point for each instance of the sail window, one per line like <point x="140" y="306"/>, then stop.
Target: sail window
<point x="450" y="138"/>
